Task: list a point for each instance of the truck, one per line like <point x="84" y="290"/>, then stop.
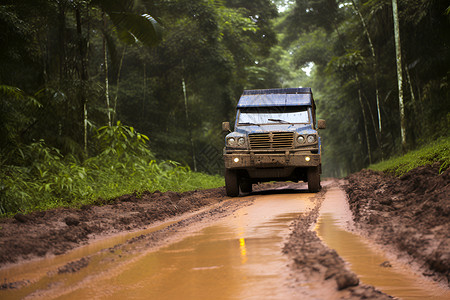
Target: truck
<point x="275" y="138"/>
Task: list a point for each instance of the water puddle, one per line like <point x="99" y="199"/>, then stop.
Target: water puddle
<point x="36" y="269"/>
<point x="365" y="260"/>
<point x="237" y="257"/>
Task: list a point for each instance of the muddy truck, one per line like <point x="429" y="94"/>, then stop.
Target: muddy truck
<point x="275" y="138"/>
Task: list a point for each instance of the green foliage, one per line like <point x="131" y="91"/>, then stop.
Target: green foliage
<point x="437" y="151"/>
<point x="61" y="49"/>
<point x="42" y="178"/>
<point x="53" y="86"/>
<point x="312" y="47"/>
<point x="331" y="34"/>
<point x="122" y="140"/>
<point x="13" y="115"/>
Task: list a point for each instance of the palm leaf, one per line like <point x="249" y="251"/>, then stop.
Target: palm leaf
<point x="12" y="91"/>
<point x="131" y="26"/>
<point x="141" y="27"/>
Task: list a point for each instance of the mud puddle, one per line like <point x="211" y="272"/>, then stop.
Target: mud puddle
<point x="37" y="269"/>
<point x="236" y="257"/>
<point x="371" y="264"/>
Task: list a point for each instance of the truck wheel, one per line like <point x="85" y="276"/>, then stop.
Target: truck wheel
<point x="246" y="187"/>
<point x="313" y="179"/>
<point x="231" y="183"/>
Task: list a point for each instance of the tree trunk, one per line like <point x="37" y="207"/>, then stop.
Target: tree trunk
<point x="374" y="62"/>
<point x="365" y="126"/>
<point x="61" y="39"/>
<point x="418" y="110"/>
<point x="85" y="124"/>
<point x="105" y="62"/>
<point x="82" y="48"/>
<point x="62" y="62"/>
<point x="188" y="122"/>
<point x="373" y="122"/>
<point x="117" y="84"/>
<point x="144" y="96"/>
<point x="398" y="53"/>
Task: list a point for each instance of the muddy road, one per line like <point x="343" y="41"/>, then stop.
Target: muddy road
<point x="280" y="242"/>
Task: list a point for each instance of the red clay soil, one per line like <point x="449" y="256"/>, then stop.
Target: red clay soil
<point x="410" y="213"/>
<point x="314" y="262"/>
<point x="57" y="231"/>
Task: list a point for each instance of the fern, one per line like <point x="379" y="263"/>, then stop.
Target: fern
<point x="43" y="178"/>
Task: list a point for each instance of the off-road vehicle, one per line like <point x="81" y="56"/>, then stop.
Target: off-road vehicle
<point x="275" y="138"/>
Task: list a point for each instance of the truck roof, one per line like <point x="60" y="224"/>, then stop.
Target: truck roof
<point x="276" y="97"/>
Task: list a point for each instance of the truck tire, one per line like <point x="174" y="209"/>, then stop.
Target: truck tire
<point x="231" y="183"/>
<point x="246" y="187"/>
<point x="313" y="179"/>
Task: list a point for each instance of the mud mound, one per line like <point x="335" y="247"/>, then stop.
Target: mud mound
<point x="74" y="266"/>
<point x="57" y="231"/>
<point x="412" y="213"/>
<point x="317" y="263"/>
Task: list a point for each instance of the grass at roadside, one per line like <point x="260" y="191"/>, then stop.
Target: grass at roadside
<point x="437" y="151"/>
<point x="66" y="183"/>
<point x="38" y="177"/>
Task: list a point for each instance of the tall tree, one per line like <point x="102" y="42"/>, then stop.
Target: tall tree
<point x="398" y="52"/>
<point x="374" y="61"/>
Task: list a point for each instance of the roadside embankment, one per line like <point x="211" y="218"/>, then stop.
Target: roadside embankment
<point x="410" y="213"/>
<point x="58" y="230"/>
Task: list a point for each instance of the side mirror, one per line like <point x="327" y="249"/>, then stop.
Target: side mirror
<point x="321" y="124"/>
<point x="226" y="127"/>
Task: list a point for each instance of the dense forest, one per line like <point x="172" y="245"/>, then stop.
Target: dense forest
<point x="101" y="97"/>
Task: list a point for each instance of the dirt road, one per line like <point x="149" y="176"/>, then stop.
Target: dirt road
<point x="279" y="242"/>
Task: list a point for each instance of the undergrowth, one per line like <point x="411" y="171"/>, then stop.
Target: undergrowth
<point x="39" y="177"/>
<point x="437" y="151"/>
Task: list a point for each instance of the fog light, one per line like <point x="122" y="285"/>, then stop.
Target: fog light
<point x="236" y="159"/>
<point x="307" y="158"/>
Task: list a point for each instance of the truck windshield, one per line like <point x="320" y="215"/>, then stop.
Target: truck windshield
<point x="273" y="115"/>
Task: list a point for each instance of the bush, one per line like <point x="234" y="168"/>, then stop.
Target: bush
<point x="40" y="177"/>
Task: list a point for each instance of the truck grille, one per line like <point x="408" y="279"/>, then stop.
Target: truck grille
<point x="271" y="140"/>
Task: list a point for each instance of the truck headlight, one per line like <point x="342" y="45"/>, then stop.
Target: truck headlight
<point x="231" y="141"/>
<point x="241" y="141"/>
<point x="311" y="139"/>
<point x="300" y="139"/>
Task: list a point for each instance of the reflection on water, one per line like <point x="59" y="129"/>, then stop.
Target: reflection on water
<point x="239" y="257"/>
<point x="398" y="280"/>
<point x="243" y="250"/>
<point x="35" y="269"/>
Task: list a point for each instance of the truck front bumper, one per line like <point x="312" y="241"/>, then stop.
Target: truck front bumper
<point x="270" y="160"/>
